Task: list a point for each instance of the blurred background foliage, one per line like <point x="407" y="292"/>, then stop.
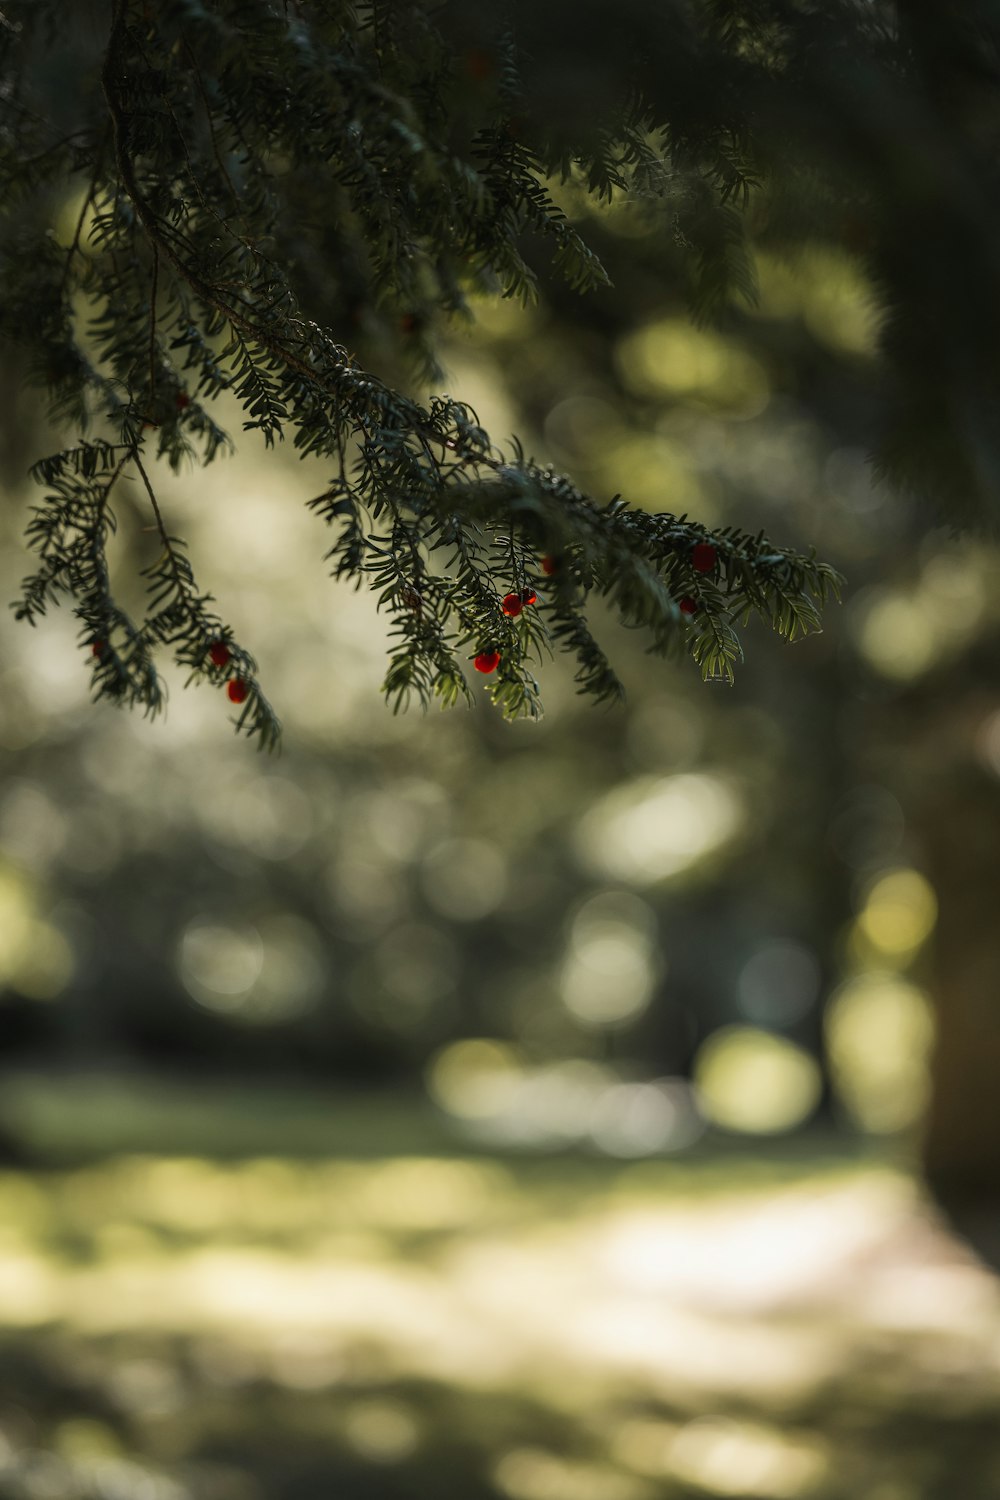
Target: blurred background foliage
<point x="516" y="1110"/>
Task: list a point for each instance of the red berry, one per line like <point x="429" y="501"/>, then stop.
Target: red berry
<point x="237" y="690"/>
<point x="528" y="596"/>
<point x="512" y="606"/>
<point x="97" y="648"/>
<point x="219" y="654"/>
<point x="182" y="400"/>
<point x="688" y="606"/>
<point x="703" y="557"/>
<point x="408" y="323"/>
<point x="550" y="565"/>
<point x="487" y="661"/>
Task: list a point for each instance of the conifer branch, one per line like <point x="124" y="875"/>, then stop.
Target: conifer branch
<point x="424" y="509"/>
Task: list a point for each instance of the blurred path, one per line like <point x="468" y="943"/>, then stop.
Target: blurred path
<point x="545" y="1330"/>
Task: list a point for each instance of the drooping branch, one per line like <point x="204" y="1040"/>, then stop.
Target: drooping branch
<point x="444" y="526"/>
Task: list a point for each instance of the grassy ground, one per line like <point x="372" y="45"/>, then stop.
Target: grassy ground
<point x="214" y="1293"/>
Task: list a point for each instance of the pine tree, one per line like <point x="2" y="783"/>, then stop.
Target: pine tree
<point x="259" y="178"/>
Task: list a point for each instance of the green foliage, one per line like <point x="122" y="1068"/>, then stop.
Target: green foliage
<point x="257" y="177"/>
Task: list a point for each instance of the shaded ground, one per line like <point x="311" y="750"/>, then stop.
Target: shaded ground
<point x="422" y="1320"/>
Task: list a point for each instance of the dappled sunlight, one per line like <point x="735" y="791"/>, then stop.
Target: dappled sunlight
<point x="594" y="1331"/>
<point x="740" y="1458"/>
<point x="272" y="1243"/>
<point x="742" y="1253"/>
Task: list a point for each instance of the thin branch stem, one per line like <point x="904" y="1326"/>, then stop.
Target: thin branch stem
<point x="200" y="83"/>
<point x="75" y="242"/>
<point x="152" y="332"/>
<point x="229" y="308"/>
<point x="161" y="528"/>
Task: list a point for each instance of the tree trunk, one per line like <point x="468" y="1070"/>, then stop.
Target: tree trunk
<point x="961" y="828"/>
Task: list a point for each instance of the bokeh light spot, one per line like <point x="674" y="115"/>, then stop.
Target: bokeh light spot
<point x="383" y="1431"/>
<point x="218" y="963"/>
<point x="750" y="1081"/>
<point x="896" y="635"/>
<point x="746" y="1459"/>
<point x="879" y="1032"/>
<point x="657" y="827"/>
<point x="536" y="1474"/>
<point x="612" y="964"/>
<point x="779" y="984"/>
<point x="474" y="1079"/>
<point x="673" y="358"/>
<point x="464" y="879"/>
<point x="899" y="914"/>
<point x="640" y="1119"/>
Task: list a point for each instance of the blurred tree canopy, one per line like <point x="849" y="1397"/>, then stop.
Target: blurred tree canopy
<point x="277" y="199"/>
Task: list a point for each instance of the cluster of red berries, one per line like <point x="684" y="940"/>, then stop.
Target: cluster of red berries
<point x="512" y="605"/>
<point x="220" y="655"/>
<point x="703" y="559"/>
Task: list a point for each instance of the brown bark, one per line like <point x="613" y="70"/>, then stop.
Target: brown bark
<point x="961" y="836"/>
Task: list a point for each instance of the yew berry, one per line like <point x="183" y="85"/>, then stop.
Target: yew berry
<point x="703" y="557"/>
<point x="688" y="606"/>
<point x="550" y="565"/>
<point x="528" y="596"/>
<point x="487" y="661"/>
<point x="512" y="606"/>
<point x="97" y="648"/>
<point x="237" y="690"/>
<point x="219" y="654"/>
<point x="182" y="400"/>
<point x="409" y="323"/>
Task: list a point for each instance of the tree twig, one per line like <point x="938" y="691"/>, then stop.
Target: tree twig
<point x="75" y="243"/>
